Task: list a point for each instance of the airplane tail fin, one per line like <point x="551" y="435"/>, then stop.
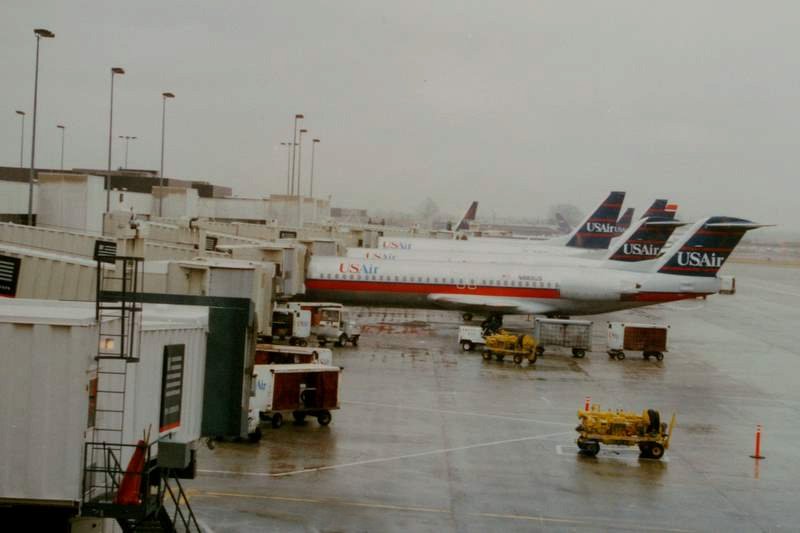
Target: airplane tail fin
<point x="704" y="248"/>
<point x="597" y="230"/>
<point x="657" y="209"/>
<point x="562" y="223"/>
<point x="468" y="217"/>
<point x="624" y="221"/>
<point x="644" y="240"/>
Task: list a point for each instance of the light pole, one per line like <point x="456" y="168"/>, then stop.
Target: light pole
<point x="114" y="71"/>
<point x="21" y="134"/>
<point x="300" y="158"/>
<point x="297" y="117"/>
<point x="313" y="149"/>
<point x="164" y="97"/>
<point x="47" y="34"/>
<point x="63" y="129"/>
<point x="288" y="146"/>
<point x="128" y="139"/>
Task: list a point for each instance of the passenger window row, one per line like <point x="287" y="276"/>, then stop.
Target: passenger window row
<point x="443" y="280"/>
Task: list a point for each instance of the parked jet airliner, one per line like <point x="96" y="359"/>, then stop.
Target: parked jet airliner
<point x="688" y="271"/>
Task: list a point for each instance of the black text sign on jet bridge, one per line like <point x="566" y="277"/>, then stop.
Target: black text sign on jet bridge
<point x="9" y="275"/>
<point x="105" y="251"/>
<point x="172" y="387"/>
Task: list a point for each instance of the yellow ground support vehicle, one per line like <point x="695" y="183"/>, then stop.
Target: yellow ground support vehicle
<point x="519" y="346"/>
<point x="624" y="429"/>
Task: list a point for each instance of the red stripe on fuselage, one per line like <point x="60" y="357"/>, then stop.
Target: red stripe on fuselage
<point x="429" y="288"/>
<point x="662" y="296"/>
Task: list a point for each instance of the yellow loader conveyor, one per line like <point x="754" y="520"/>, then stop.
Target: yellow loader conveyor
<point x="515" y="345"/>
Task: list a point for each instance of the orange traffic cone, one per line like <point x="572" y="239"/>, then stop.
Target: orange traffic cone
<point x="129" y="489"/>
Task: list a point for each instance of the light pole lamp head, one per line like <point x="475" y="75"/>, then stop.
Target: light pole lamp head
<point x="18" y="112"/>
<point x="304" y="130"/>
<point x="61" y="126"/>
<point x="168" y="95"/>
<point x="299" y="115"/>
<point x="117" y="70"/>
<point x="316" y="140"/>
<point x="41" y="32"/>
<point x="133" y="138"/>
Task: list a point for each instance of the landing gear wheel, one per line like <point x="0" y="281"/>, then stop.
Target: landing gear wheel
<point x="277" y="420"/>
<point x="324" y="418"/>
<point x="539" y="350"/>
<point x="467" y="346"/>
<point x="577" y="352"/>
<point x="659" y="356"/>
<point x="255" y="436"/>
<point x="487" y="355"/>
<point x="518" y="358"/>
<point x="467" y="317"/>
<point x="299" y="417"/>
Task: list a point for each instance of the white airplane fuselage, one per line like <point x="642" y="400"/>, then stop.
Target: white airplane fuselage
<point x="497" y="288"/>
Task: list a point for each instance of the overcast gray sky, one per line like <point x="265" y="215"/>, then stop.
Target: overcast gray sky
<point x="517" y="104"/>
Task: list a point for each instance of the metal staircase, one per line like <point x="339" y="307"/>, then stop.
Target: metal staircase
<point x="121" y="480"/>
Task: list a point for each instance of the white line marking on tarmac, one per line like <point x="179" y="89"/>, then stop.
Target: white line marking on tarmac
<point x="464" y="413"/>
<point x="386" y="459"/>
<point x="580" y="521"/>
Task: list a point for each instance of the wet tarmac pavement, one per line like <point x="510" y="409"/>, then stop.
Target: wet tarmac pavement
<point x="429" y="438"/>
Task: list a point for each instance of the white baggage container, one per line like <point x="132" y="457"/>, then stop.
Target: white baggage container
<point x="48" y="406"/>
<point x="650" y="339"/>
<point x="469" y="337"/>
<point x="574" y="334"/>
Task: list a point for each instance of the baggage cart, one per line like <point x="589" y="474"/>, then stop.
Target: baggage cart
<point x="621" y="428"/>
<point x="300" y="390"/>
<point x="574" y="334"/>
<point x="650" y="339"/>
<point x="469" y="337"/>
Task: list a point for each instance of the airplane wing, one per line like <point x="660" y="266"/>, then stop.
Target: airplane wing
<point x="467" y="302"/>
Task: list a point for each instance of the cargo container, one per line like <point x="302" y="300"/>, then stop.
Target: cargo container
<point x="48" y="275"/>
<point x="650" y="339"/>
<point x="279" y="354"/>
<point x="574" y="334"/>
<point x="51" y="405"/>
<point x="290" y="324"/>
<point x="727" y="285"/>
<point x="299" y="390"/>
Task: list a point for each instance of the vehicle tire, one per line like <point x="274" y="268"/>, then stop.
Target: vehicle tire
<point x="292" y="342"/>
<point x="487" y="355"/>
<point x="644" y="450"/>
<point x="302" y="342"/>
<point x="255" y="436"/>
<point x="532" y="358"/>
<point x="620" y="356"/>
<point x="299" y="417"/>
<point x="354" y="340"/>
<point x="656" y="451"/>
<point x="467" y="346"/>
<point x="324" y="418"/>
<point x="539" y="350"/>
<point x="577" y="352"/>
<point x="659" y="356"/>
<point x="277" y="420"/>
<point x="518" y="358"/>
<point x="263" y="416"/>
<point x="340" y="341"/>
<point x="467" y="317"/>
<point x="322" y="342"/>
<point x="590" y="448"/>
<point x="646" y="356"/>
